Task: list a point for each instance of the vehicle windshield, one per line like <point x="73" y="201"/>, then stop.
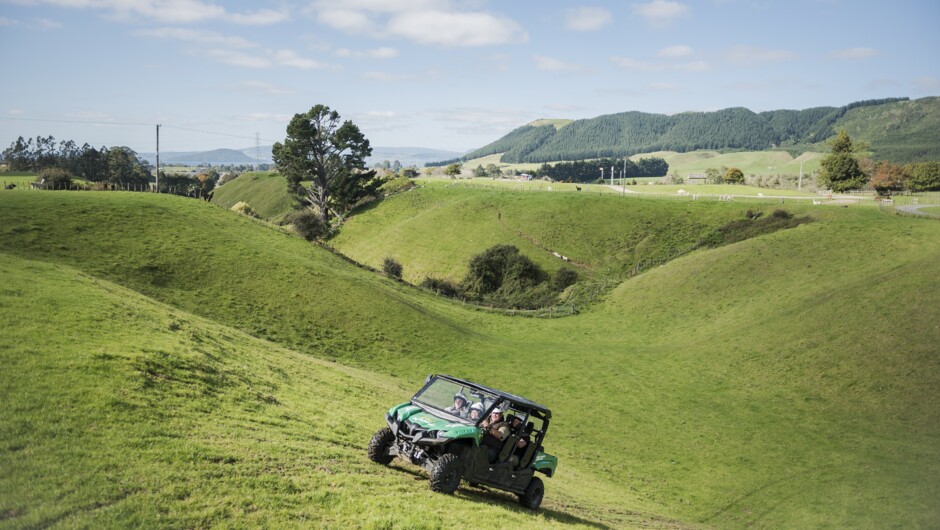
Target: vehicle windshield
<point x="456" y="399"/>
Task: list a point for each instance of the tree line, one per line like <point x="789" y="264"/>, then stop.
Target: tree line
<point x="589" y="170"/>
<point x="117" y="165"/>
<point x="58" y="164"/>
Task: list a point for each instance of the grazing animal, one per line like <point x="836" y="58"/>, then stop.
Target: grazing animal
<point x="577" y="188"/>
<point x="9" y="186"/>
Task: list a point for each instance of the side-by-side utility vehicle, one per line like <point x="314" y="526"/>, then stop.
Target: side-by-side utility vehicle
<point x="442" y="429"/>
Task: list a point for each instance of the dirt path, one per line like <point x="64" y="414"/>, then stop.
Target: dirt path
<point x="915" y="209"/>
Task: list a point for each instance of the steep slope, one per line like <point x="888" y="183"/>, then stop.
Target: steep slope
<point x="229" y="268"/>
<point x="123" y="412"/>
<point x="266" y="192"/>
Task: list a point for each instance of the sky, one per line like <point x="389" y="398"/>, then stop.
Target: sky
<point x="444" y="74"/>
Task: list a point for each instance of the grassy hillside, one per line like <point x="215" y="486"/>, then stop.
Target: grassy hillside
<point x="785" y="381"/>
<point x="265" y="191"/>
<point x="123" y="412"/>
<point x="434" y="231"/>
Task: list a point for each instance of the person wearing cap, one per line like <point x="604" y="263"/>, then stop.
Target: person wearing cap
<point x="495" y="431"/>
<point x="461" y="406"/>
<point x="476" y="412"/>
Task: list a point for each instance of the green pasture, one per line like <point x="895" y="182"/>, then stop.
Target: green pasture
<point x="265" y="191"/>
<point x="786" y="381"/>
<point x="123" y="412"/>
<point x="21" y="180"/>
<point x="750" y="162"/>
<point x="435" y="230"/>
<point x="717" y="189"/>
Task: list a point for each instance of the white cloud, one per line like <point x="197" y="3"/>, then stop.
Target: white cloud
<point x="16" y="112"/>
<point x="268" y="89"/>
<point x="347" y="20"/>
<point x="456" y="29"/>
<point x="628" y="63"/>
<point x="262" y="17"/>
<point x="587" y="18"/>
<point x="237" y="58"/>
<point x="753" y="56"/>
<point x="480" y="121"/>
<point x="429" y="22"/>
<point x="202" y="37"/>
<point x="550" y="64"/>
<point x="291" y="58"/>
<point x="675" y="52"/>
<point x="663" y="87"/>
<point x="635" y="65"/>
<point x="854" y="53"/>
<point x="694" y="66"/>
<point x="169" y="11"/>
<point x="4" y="21"/>
<point x="385" y="77"/>
<point x="661" y="12"/>
<point x="377" y="53"/>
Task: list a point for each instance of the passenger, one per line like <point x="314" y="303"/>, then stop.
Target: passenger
<point x="461" y="406"/>
<point x="476" y="412"/>
<point x="495" y="431"/>
<point x="525" y="434"/>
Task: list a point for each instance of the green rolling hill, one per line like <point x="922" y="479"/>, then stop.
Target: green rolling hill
<point x="785" y="381"/>
<point x="899" y="130"/>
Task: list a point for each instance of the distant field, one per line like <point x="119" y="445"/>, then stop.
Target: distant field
<point x="749" y="162"/>
<point x="21" y="181"/>
<point x="718" y="189"/>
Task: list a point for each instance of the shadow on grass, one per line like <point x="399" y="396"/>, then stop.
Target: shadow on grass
<point x="509" y="501"/>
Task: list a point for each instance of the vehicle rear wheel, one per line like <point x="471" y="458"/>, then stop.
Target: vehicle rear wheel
<point x="381" y="442"/>
<point x="532" y="498"/>
<point x="446" y="474"/>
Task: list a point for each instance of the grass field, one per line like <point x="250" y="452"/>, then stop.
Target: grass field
<point x="265" y="191"/>
<point x="785" y="381"/>
<point x="750" y="162"/>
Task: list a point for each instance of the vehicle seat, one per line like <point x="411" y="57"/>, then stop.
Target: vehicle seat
<point x="508" y="446"/>
<point x="526" y="458"/>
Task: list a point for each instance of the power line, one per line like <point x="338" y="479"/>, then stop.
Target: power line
<point x="89" y="122"/>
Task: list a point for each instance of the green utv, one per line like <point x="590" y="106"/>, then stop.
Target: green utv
<point x="442" y="429"/>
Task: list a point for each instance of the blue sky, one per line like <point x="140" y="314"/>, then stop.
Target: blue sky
<point x="445" y="74"/>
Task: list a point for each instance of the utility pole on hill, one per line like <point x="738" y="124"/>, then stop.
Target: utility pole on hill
<point x="158" y="158"/>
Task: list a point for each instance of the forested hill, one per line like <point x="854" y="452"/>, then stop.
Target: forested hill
<point x="898" y="129"/>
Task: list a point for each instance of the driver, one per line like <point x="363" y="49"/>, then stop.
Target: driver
<point x="461" y="406"/>
<point x="496" y="430"/>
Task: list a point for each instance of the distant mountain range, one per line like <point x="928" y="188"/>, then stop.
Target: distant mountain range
<point x="408" y="156"/>
<point x="898" y="130"/>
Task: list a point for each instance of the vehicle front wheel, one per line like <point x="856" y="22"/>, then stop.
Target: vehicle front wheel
<point x="446" y="474"/>
<point x="532" y="498"/>
<point x="379" y="446"/>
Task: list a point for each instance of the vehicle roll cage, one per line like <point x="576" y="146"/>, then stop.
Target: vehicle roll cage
<point x="530" y="408"/>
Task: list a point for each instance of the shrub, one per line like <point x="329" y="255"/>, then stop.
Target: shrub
<point x="441" y="287"/>
<point x="392" y="268"/>
<point x="397" y="185"/>
<point x="55" y="178"/>
<point x="501" y="268"/>
<point x="307" y="224"/>
<point x="244" y="208"/>
<point x="564" y="278"/>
